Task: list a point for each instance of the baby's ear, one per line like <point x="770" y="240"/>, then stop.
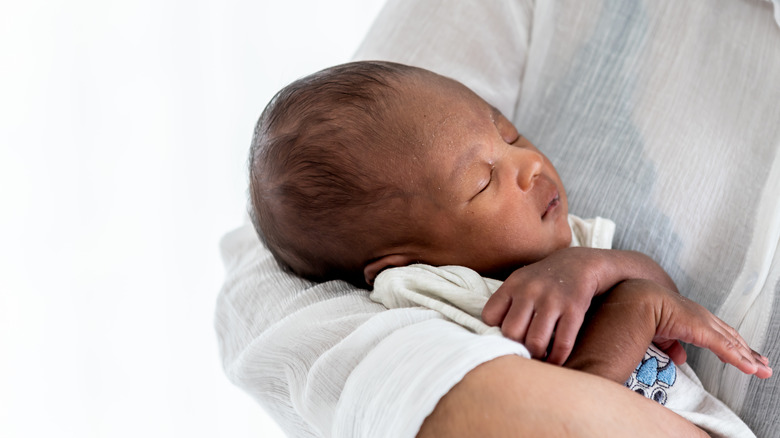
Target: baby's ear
<point x="389" y="261"/>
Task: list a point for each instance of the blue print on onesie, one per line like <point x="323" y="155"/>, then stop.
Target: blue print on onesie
<point x="654" y="375"/>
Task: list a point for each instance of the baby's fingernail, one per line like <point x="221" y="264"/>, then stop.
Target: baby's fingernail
<point x="751" y="362"/>
<point x="761" y="358"/>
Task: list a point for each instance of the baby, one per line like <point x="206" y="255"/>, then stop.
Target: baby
<point x="371" y="165"/>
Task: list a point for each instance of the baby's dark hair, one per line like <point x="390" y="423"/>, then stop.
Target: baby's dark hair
<point x="316" y="168"/>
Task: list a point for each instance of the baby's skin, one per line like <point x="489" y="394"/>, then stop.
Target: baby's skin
<point x="637" y="312"/>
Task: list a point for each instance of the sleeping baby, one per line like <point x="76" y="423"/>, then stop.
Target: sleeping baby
<point x="393" y="177"/>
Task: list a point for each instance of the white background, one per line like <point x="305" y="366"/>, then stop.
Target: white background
<point x="124" y="128"/>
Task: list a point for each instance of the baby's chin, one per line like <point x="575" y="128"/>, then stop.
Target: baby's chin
<point x="565" y="240"/>
<point x="501" y="273"/>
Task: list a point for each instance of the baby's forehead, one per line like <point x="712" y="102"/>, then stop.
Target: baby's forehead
<point x="428" y="83"/>
<point x="430" y="110"/>
<point x="443" y="97"/>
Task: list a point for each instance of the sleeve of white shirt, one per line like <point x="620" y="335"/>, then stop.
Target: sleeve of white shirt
<point x="324" y="360"/>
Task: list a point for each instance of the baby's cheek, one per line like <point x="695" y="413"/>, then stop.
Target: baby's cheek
<point x="564" y="232"/>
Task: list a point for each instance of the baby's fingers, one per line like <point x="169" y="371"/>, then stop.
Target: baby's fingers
<point x="750" y="364"/>
<point x="539" y="334"/>
<point x="496" y="308"/>
<point x="732" y="333"/>
<point x="517" y="320"/>
<point x="754" y="363"/>
<point x="674" y="350"/>
<point x="703" y="329"/>
<point x="733" y="349"/>
<point x="750" y="358"/>
<point x="761" y="358"/>
<point x="764" y="370"/>
<point x="565" y="338"/>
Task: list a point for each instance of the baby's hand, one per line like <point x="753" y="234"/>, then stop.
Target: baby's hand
<point x="678" y="318"/>
<point x="637" y="313"/>
<point x="549" y="296"/>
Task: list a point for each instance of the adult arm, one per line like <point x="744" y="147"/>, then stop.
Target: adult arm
<point x="514" y="396"/>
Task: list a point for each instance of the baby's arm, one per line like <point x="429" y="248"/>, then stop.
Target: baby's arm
<point x="638" y="312"/>
<point x="553" y="295"/>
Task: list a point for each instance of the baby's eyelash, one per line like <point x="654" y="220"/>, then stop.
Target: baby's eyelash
<point x="492" y="169"/>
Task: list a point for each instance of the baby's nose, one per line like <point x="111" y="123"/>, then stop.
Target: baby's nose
<point x="529" y="166"/>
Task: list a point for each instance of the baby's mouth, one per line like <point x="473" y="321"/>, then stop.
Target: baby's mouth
<point x="552" y="204"/>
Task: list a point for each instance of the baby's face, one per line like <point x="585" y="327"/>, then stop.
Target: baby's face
<point x="486" y="197"/>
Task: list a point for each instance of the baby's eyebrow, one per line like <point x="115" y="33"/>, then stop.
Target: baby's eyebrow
<point x="464" y="162"/>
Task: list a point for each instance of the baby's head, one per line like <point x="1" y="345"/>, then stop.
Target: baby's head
<point x="368" y="165"/>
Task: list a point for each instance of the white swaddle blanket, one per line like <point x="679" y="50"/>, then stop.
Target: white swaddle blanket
<point x="460" y="293"/>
